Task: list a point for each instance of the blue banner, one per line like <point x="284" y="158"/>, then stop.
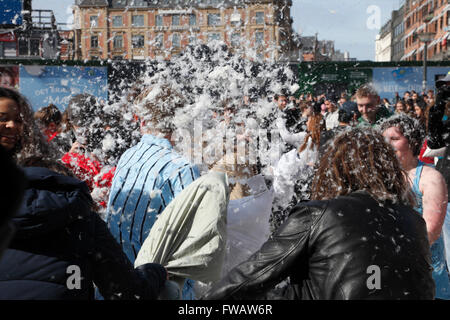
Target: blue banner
<point x="11" y="12"/>
<point x="43" y="85"/>
<point x="388" y="81"/>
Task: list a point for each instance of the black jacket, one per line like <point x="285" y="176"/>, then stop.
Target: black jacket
<point x="11" y="191"/>
<point x="58" y="238"/>
<point x="327" y="249"/>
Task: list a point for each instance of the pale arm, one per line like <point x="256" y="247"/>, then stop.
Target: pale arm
<point x="434" y="201"/>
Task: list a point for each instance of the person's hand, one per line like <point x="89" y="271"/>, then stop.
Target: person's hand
<point x="76" y="147"/>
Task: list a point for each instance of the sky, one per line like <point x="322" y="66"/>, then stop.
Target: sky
<point x="352" y="24"/>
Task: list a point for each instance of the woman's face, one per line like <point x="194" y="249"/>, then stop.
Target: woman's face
<point x="397" y="140"/>
<point x="399" y="107"/>
<point x="11" y="124"/>
<point x="418" y="111"/>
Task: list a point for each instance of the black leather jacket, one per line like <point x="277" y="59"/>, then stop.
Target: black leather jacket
<point x="327" y="249"/>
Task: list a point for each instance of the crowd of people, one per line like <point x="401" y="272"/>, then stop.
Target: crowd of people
<point x="360" y="182"/>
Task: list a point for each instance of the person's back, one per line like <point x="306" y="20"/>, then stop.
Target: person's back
<point x="359" y="249"/>
<point x="61" y="247"/>
<point x="147" y="178"/>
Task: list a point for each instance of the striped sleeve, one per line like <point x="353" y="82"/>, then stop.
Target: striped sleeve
<point x="185" y="176"/>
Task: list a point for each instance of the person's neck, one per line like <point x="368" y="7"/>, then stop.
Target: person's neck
<point x="409" y="163"/>
<point x="158" y="134"/>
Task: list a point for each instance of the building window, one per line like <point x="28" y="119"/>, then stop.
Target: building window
<point x="192" y="20"/>
<point x="176" y="43"/>
<point x="176" y="20"/>
<point x="159" y="20"/>
<point x="259" y="38"/>
<point x="259" y="18"/>
<point x="93" y="20"/>
<point x="213" y="19"/>
<point x="117" y="21"/>
<point x="235" y="19"/>
<point x="118" y="42"/>
<point x="137" y="41"/>
<point x="213" y="36"/>
<point x="35" y="45"/>
<point x="235" y="39"/>
<point x="94" y="41"/>
<point x="159" y="40"/>
<point x="137" y="21"/>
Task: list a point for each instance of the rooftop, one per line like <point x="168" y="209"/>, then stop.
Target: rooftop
<point x="172" y="3"/>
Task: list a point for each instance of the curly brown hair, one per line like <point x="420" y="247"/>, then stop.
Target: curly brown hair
<point x="361" y="160"/>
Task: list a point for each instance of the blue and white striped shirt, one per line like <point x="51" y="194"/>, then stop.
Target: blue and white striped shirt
<point x="148" y="177"/>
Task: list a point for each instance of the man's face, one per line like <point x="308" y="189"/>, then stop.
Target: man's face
<point x="367" y="106"/>
<point x="406" y="96"/>
<point x="282" y="101"/>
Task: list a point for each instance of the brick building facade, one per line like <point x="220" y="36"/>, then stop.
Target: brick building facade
<point x="140" y="29"/>
<point x="426" y="16"/>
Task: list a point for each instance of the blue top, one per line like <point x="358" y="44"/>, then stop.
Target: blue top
<point x="440" y="273"/>
<point x="147" y="178"/>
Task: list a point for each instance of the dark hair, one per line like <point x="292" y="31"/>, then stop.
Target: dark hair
<point x="361" y="160"/>
<point x="409" y="127"/>
<point x="48" y="115"/>
<point x="31" y="143"/>
<point x="52" y="165"/>
<point x="344" y="116"/>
